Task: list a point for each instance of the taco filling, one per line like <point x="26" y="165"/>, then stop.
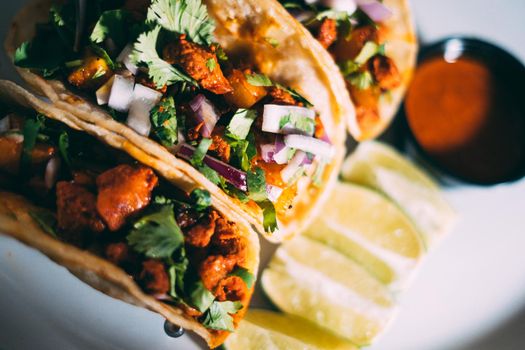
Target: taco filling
<point x="176" y="247"/>
<point x="354" y="32"/>
<point x="155" y="66"/>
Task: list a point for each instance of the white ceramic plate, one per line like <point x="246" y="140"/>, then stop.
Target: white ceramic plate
<point x="468" y="294"/>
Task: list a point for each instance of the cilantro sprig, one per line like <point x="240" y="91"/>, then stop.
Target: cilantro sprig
<point x="164" y="121"/>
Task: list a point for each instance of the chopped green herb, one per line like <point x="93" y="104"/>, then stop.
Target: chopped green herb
<point x="111" y="24"/>
<point x="245" y="275"/>
<point x="272" y="41"/>
<point x="188" y="17"/>
<point x="369" y="50"/>
<point x="348" y="67"/>
<point x="297" y="96"/>
<point x="257" y="79"/>
<point x="45" y="219"/>
<point x="210" y="174"/>
<point x="269" y="216"/>
<point x="211" y="64"/>
<point x="157" y="234"/>
<point x="256" y="185"/>
<point x="200" y="152"/>
<point x="298" y="121"/>
<point x="30" y="132"/>
<point x="201" y="199"/>
<point x="177" y="271"/>
<point x="164" y="121"/>
<point x="218" y="315"/>
<point x="240" y="124"/>
<point x="219" y="52"/>
<point x="361" y="80"/>
<point x="63" y="146"/>
<point x="200" y="297"/>
<point x="162" y="73"/>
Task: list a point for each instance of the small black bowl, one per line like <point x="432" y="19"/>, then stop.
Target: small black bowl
<point x="503" y="65"/>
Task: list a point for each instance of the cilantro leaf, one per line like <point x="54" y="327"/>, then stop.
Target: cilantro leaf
<point x="210" y="174"/>
<point x="257" y="79"/>
<point x="46" y="220"/>
<point x="176" y="272"/>
<point x="269" y="216"/>
<point x="162" y="73"/>
<point x="200" y="152"/>
<point x="200" y="297"/>
<point x="164" y="121"/>
<point x="243" y="151"/>
<point x="240" y="124"/>
<point x="188" y="17"/>
<point x="361" y="80"/>
<point x="112" y="24"/>
<point x="157" y="234"/>
<point x="211" y="64"/>
<point x="63" y="146"/>
<point x="218" y="315"/>
<point x="256" y="185"/>
<point x="201" y="199"/>
<point x="245" y="275"/>
<point x="348" y="67"/>
<point x="30" y="132"/>
<point x="369" y="50"/>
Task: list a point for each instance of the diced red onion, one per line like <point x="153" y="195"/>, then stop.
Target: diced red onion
<point x="5" y="124"/>
<point x="309" y="159"/>
<point x="273" y="192"/>
<point x="348" y="6"/>
<point x="205" y="113"/>
<point x="51" y="173"/>
<point x="282" y="157"/>
<point x="144" y="99"/>
<point x="125" y="58"/>
<point x="273" y="114"/>
<point x="104" y="91"/>
<point x="310" y="145"/>
<point x="267" y="152"/>
<point x="290" y="172"/>
<point x="121" y="93"/>
<point x="376" y="10"/>
<point x="234" y="176"/>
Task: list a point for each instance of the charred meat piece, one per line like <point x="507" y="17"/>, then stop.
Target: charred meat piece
<point x="143" y="79"/>
<point x="186" y="217"/>
<point x="385" y="72"/>
<point x="226" y="241"/>
<point x="348" y="48"/>
<point x="327" y="32"/>
<point x="219" y="146"/>
<point x="199" y="63"/>
<point x="11" y="153"/>
<point x="200" y="234"/>
<point x="281" y="97"/>
<point x="76" y="209"/>
<point x="92" y="74"/>
<point x="244" y="94"/>
<point x="231" y="288"/>
<point x="122" y="192"/>
<point x="154" y="278"/>
<point x="214" y="269"/>
<point x="117" y="253"/>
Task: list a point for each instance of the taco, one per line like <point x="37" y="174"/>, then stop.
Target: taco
<point x="374" y="44"/>
<point x="117" y="224"/>
<point x="231" y="94"/>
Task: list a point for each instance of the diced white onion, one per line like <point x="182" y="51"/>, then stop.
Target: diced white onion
<point x="144" y="99"/>
<point x="310" y="145"/>
<point x="205" y="113"/>
<point x="273" y="114"/>
<point x="5" y="124"/>
<point x="51" y="173"/>
<point x="281" y="157"/>
<point x="104" y="91"/>
<point x="125" y="58"/>
<point x="121" y="93"/>
<point x="291" y="171"/>
<point x="273" y="192"/>
<point x="348" y="6"/>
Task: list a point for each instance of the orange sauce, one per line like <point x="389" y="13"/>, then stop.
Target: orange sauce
<point x="464" y="116"/>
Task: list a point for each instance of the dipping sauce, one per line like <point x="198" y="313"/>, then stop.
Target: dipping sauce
<point x="468" y="118"/>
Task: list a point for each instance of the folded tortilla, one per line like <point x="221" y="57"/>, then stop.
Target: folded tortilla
<point x="243" y="29"/>
<point x="16" y="221"/>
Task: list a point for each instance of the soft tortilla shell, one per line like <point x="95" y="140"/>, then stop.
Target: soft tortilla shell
<point x="243" y="28"/>
<point x="16" y="221"/>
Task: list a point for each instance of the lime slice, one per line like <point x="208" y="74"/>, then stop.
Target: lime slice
<point x="382" y="168"/>
<point x="368" y="228"/>
<point x="328" y="289"/>
<point x="261" y="329"/>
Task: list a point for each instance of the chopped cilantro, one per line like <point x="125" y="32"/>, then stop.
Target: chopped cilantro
<point x="164" y="121"/>
<point x="369" y="50"/>
<point x="188" y="17"/>
<point x="30" y="132"/>
<point x="45" y="219"/>
<point x="218" y="316"/>
<point x="200" y="297"/>
<point x="219" y="52"/>
<point x="243" y="151"/>
<point x="257" y="79"/>
<point x="200" y="152"/>
<point x="162" y="73"/>
<point x="176" y="272"/>
<point x="240" y="124"/>
<point x="269" y="216"/>
<point x="245" y="275"/>
<point x="211" y="64"/>
<point x="210" y="174"/>
<point x="201" y="199"/>
<point x="157" y="234"/>
<point x="361" y="80"/>
<point x="111" y="24"/>
<point x="348" y="67"/>
<point x="256" y="185"/>
<point x="63" y="146"/>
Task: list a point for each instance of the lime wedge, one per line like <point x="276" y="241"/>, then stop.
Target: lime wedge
<point x="382" y="168"/>
<point x="369" y="229"/>
<point x="328" y="289"/>
<point x="262" y="329"/>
